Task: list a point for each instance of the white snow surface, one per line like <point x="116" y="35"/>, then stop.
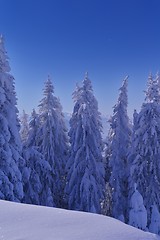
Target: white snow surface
<point x="28" y="222"/>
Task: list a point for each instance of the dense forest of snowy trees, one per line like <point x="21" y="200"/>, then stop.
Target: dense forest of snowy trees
<point x="43" y="163"/>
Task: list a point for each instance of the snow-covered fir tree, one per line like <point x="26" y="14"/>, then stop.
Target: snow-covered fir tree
<point x="106" y="204"/>
<point x="153" y="90"/>
<point x="107" y="155"/>
<point x="131" y="181"/>
<point x="52" y="140"/>
<point x="10" y="144"/>
<point x="158" y="80"/>
<point x="34" y="128"/>
<point x="37" y="173"/>
<point x="145" y="153"/>
<point x="37" y="178"/>
<point x="85" y="179"/>
<point x="119" y="136"/>
<point x="137" y="213"/>
<point x="155" y="220"/>
<point x="24" y="127"/>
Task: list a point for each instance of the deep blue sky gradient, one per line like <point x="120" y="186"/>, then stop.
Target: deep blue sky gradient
<point x="64" y="38"/>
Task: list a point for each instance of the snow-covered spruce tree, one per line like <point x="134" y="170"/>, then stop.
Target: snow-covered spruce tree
<point x="157" y="79"/>
<point x="37" y="172"/>
<point x="155" y="220"/>
<point x="52" y="141"/>
<point x="10" y="144"/>
<point x="106" y="204"/>
<point x="145" y="153"/>
<point x="24" y="127"/>
<point x="119" y="137"/>
<point x="85" y="180"/>
<point x="131" y="181"/>
<point x="137" y="213"/>
<point x="107" y="155"/>
<point x="34" y="128"/>
<point x="35" y="177"/>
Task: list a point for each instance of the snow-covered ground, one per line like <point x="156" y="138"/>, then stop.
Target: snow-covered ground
<point x="27" y="222"/>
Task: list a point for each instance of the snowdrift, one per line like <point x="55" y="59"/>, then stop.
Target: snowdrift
<point x="27" y="222"/>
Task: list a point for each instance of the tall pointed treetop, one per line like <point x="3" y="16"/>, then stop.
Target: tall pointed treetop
<point x="4" y="64"/>
<point x="24" y="127"/>
<point x="87" y="85"/>
<point x="49" y="102"/>
<point x="48" y="87"/>
<point x="152" y="93"/>
<point x="123" y="92"/>
<point x="158" y="77"/>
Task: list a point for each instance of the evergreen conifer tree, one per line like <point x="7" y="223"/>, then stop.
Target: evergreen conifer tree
<point x="52" y="141"/>
<point x="137" y="213"/>
<point x="37" y="173"/>
<point x="24" y="127"/>
<point x="155" y="220"/>
<point x="34" y="128"/>
<point x="119" y="137"/>
<point x="145" y="153"/>
<point x="85" y="180"/>
<point x="106" y="204"/>
<point x="10" y="144"/>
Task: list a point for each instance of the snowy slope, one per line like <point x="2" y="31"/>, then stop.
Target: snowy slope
<point x="28" y="222"/>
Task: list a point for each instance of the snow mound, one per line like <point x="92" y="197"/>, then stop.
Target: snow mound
<point x="27" y="222"/>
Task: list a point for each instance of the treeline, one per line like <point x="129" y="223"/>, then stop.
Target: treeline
<point x="43" y="163"/>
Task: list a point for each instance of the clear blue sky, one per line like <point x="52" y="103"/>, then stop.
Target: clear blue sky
<point x="64" y="38"/>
